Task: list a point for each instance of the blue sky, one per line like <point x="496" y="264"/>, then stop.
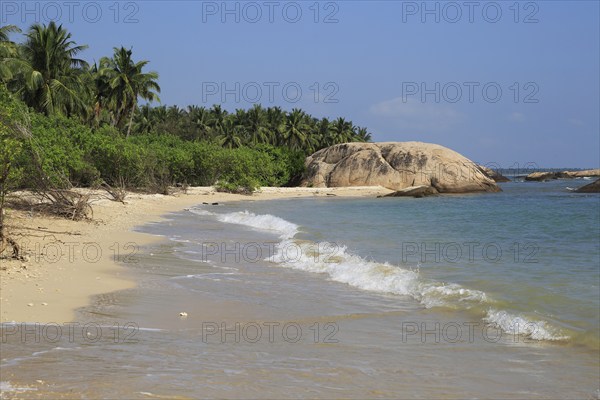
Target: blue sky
<point x="504" y="82"/>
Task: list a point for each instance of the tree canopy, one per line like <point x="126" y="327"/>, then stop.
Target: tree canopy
<point x="100" y="123"/>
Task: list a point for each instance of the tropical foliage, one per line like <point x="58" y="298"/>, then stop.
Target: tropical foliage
<point x="295" y="130"/>
<point x="90" y="125"/>
<point x="65" y="147"/>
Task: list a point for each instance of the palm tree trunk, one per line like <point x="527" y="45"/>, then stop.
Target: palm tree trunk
<point x="131" y="118"/>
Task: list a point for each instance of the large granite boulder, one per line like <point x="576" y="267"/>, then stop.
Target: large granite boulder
<point x="582" y="174"/>
<point x="593" y="187"/>
<point x="493" y="174"/>
<point x="542" y="176"/>
<point x="396" y="166"/>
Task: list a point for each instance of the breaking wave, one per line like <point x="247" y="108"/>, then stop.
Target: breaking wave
<point x="340" y="265"/>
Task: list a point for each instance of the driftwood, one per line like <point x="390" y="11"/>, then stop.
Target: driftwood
<point x="65" y="203"/>
<point x="6" y="242"/>
<point x="117" y="191"/>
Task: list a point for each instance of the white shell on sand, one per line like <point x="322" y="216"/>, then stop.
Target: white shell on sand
<point x="30" y="305"/>
<point x="183" y="314"/>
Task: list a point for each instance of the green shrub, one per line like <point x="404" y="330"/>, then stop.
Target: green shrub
<point x="66" y="148"/>
<point x="117" y="159"/>
<point x="59" y="144"/>
<point x="14" y="119"/>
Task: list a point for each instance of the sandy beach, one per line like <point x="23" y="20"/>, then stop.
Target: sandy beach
<point x="354" y="322"/>
<point x="68" y="262"/>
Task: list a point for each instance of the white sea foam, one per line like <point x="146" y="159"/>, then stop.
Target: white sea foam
<point x="6" y="388"/>
<point x="176" y="239"/>
<point x="199" y="211"/>
<point x="520" y="325"/>
<point x="342" y="266"/>
<point x="266" y="222"/>
<point x="217" y="276"/>
<point x="150" y="329"/>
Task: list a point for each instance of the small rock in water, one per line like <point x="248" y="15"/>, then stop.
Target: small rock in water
<point x="215" y="204"/>
<point x="183" y="314"/>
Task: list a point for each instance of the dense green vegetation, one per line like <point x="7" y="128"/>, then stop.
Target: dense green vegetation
<point x="147" y="161"/>
<point x="86" y="124"/>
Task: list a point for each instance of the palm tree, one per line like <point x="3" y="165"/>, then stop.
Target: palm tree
<point x="6" y="30"/>
<point x="101" y="96"/>
<point x="143" y="122"/>
<point x="256" y="123"/>
<point x="342" y="131"/>
<point x="159" y="115"/>
<point x="217" y="120"/>
<point x="295" y="129"/>
<point x="127" y="83"/>
<point x="175" y="113"/>
<point x="53" y="76"/>
<point x="240" y="125"/>
<point x="9" y="54"/>
<point x="275" y="117"/>
<point x="321" y="134"/>
<point x="363" y="135"/>
<point x="199" y="119"/>
<point x="231" y="136"/>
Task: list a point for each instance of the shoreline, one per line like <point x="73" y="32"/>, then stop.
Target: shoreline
<point x="69" y="262"/>
<point x="226" y="303"/>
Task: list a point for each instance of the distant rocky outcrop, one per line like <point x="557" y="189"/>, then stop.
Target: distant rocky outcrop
<point x="542" y="176"/>
<point x="546" y="176"/>
<point x="493" y="174"/>
<point x="582" y="174"/>
<point x="396" y="166"/>
<point x="593" y="187"/>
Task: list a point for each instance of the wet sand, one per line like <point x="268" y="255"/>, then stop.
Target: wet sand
<point x="343" y="343"/>
<point x="69" y="262"/>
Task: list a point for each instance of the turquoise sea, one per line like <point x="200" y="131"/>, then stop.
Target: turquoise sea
<point x="463" y="296"/>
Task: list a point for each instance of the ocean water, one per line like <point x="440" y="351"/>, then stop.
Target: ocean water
<point x="465" y="296"/>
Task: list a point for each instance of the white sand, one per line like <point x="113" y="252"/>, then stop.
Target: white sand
<point x="71" y="261"/>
